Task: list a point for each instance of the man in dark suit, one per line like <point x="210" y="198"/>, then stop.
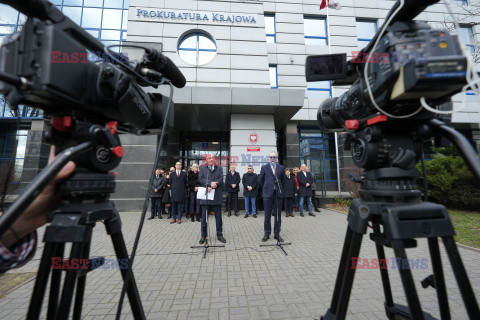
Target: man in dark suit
<point x="272" y="180"/>
<point x="211" y="176"/>
<point x="156" y="194"/>
<point x="232" y="181"/>
<point x="250" y="191"/>
<point x="178" y="182"/>
<point x="305" y="180"/>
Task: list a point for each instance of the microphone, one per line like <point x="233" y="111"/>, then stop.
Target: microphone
<point x="156" y="60"/>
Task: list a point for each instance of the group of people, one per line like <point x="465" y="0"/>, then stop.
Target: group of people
<point x="175" y="192"/>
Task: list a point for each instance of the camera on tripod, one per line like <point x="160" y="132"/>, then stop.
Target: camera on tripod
<point x="388" y="115"/>
<point x="432" y="66"/>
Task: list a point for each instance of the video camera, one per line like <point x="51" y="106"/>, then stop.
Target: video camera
<point x="410" y="61"/>
<point x="45" y="66"/>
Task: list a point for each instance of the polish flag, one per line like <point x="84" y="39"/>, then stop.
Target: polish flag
<point x="330" y="4"/>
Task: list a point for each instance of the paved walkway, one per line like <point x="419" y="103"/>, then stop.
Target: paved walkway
<point x="243" y="281"/>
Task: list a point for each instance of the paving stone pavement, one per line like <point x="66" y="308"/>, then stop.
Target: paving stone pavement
<point x="243" y="281"/>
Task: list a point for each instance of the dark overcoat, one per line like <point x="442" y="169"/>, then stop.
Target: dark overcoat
<point x="305" y="191"/>
<point x="229" y="180"/>
<point x="178" y="184"/>
<point x="290" y="187"/>
<point x="157" y="184"/>
<point x="207" y="176"/>
<point x="250" y="179"/>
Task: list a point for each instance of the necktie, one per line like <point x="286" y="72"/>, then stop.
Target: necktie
<point x="178" y="173"/>
<point x="232" y="174"/>
<point x="273" y="168"/>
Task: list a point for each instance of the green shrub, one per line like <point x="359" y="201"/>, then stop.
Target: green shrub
<point x="341" y="200"/>
<point x="450" y="182"/>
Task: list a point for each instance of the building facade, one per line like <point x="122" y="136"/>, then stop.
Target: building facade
<point x="246" y="93"/>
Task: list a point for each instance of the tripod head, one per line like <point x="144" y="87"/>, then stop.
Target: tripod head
<point x="388" y="151"/>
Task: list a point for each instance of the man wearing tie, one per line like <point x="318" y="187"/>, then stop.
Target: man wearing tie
<point x="178" y="181"/>
<point x="232" y="182"/>
<point x="211" y="176"/>
<point x="272" y="179"/>
<point x="305" y="180"/>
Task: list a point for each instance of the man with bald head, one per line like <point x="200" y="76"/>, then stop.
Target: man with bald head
<point x="178" y="182"/>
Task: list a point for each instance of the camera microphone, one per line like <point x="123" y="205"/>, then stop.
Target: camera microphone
<point x="161" y="63"/>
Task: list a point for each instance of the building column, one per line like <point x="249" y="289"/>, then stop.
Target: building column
<point x="252" y="138"/>
<point x="292" y="158"/>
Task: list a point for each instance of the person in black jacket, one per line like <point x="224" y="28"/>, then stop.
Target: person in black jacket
<point x="232" y="182"/>
<point x="193" y="185"/>
<point x="156" y="194"/>
<point x="250" y="191"/>
<point x="166" y="199"/>
<point x="178" y="182"/>
<point x="305" y="180"/>
<point x="290" y="191"/>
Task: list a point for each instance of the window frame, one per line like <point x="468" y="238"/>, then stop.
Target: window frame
<point x="374" y="21"/>
<point x="197" y="49"/>
<point x="320" y="18"/>
<point x="274" y="35"/>
<point x="276" y="75"/>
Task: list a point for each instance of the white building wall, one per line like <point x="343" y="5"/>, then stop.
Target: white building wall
<point x="243" y="55"/>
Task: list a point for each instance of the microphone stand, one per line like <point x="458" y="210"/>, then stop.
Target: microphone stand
<point x="278" y="210"/>
<point x="205" y="245"/>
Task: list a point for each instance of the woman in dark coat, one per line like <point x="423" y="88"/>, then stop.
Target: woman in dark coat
<point x="290" y="191"/>
<point x="166" y="196"/>
<point x="193" y="185"/>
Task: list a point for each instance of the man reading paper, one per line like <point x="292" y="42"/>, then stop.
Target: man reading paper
<point x="211" y="176"/>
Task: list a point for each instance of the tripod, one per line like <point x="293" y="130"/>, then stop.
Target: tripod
<point x="206" y="245"/>
<point x="388" y="199"/>
<point x="84" y="203"/>
<point x="278" y="210"/>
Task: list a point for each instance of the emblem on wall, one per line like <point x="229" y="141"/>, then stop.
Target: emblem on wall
<point x="253" y="138"/>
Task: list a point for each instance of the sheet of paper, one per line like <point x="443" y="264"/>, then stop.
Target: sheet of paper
<point x="201" y="194"/>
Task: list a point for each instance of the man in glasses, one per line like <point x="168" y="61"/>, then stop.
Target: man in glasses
<point x="272" y="180"/>
<point x="211" y="176"/>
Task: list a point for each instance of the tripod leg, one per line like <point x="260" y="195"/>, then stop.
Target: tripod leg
<point x="387" y="289"/>
<point x="439" y="278"/>
<point x="349" y="275"/>
<point x="462" y="278"/>
<point x="114" y="229"/>
<point x="41" y="282"/>
<point x="81" y="281"/>
<point x="341" y="270"/>
<point x="407" y="280"/>
<point x="69" y="283"/>
<point x="55" y="284"/>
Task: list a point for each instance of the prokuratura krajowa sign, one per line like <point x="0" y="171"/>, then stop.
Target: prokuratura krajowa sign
<point x="198" y="17"/>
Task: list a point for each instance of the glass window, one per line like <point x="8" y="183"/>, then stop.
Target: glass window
<point x="197" y="48"/>
<point x="113" y="4"/>
<point x="8" y="15"/>
<point x="77" y="3"/>
<point x="319" y="90"/>
<point x="92" y="18"/>
<point x="94" y="32"/>
<point x="366" y="30"/>
<point x="74" y="13"/>
<point x="93" y="3"/>
<point x="110" y="35"/>
<point x="315" y="30"/>
<point x="56" y="2"/>
<point x="7" y="29"/>
<point x="273" y="76"/>
<point x="466" y="34"/>
<point x="270" y="28"/>
<point x="112" y="19"/>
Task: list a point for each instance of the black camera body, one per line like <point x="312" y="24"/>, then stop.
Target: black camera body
<point x="51" y="57"/>
<point x="411" y="61"/>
